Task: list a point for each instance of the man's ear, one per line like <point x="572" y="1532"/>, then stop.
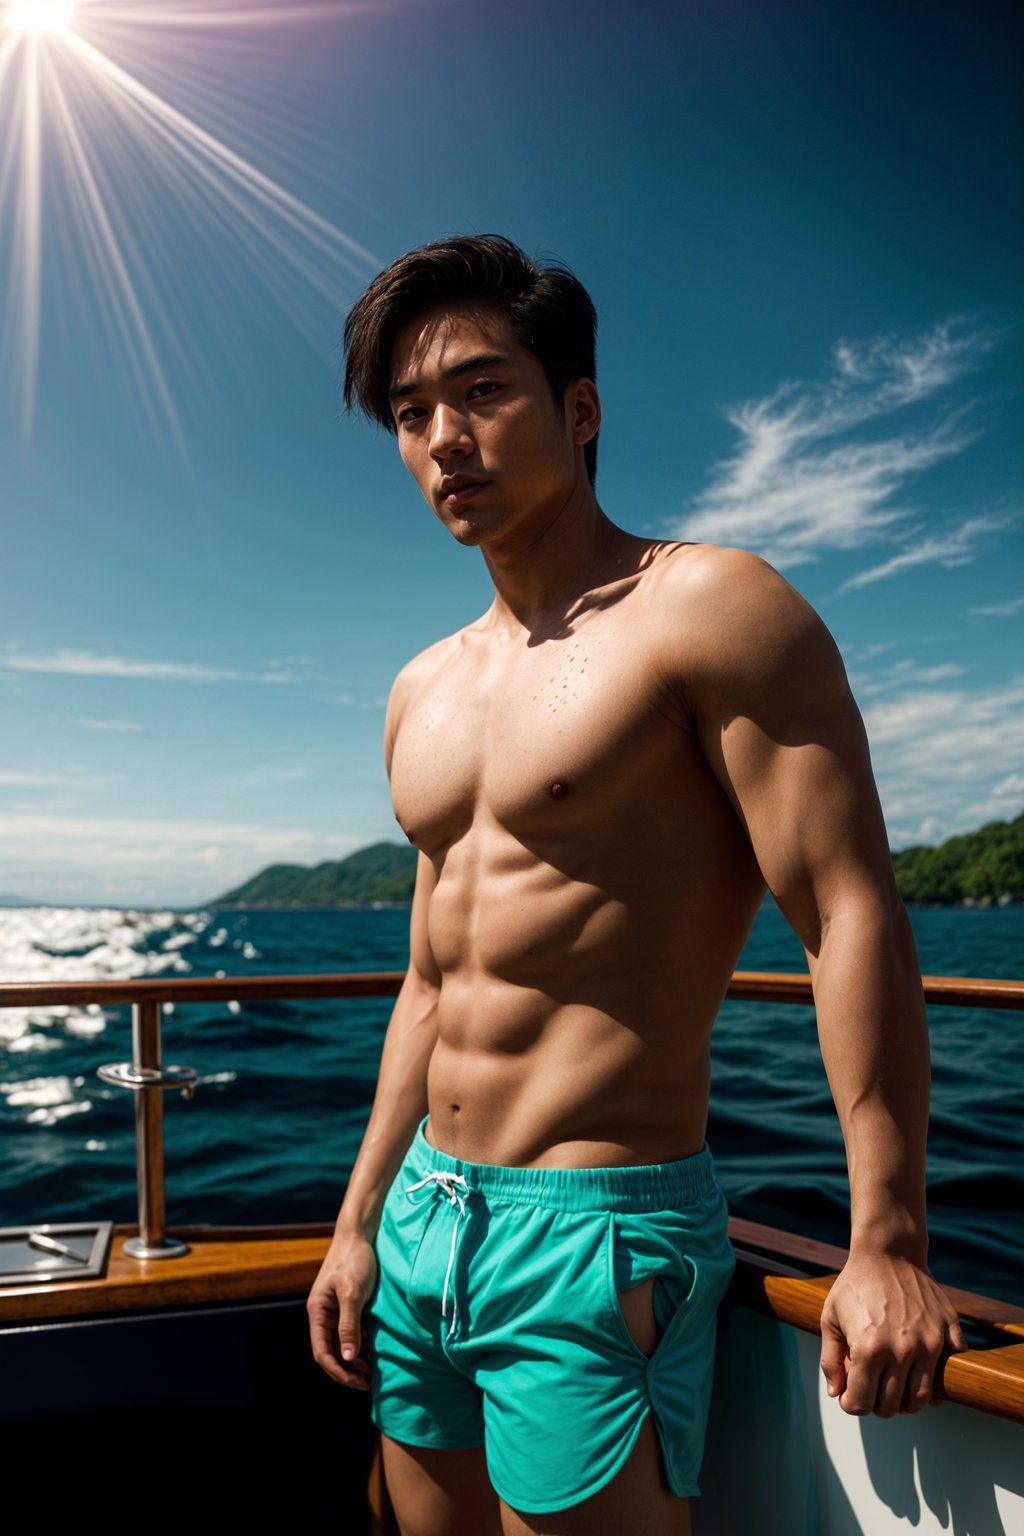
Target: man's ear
<point x="583" y="409"/>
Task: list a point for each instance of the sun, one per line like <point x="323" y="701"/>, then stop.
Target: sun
<point x="38" y="16"/>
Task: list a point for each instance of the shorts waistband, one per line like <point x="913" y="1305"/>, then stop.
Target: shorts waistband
<point x="641" y="1187"/>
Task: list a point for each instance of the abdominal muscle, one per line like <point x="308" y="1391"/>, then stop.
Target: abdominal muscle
<point x="573" y="1030"/>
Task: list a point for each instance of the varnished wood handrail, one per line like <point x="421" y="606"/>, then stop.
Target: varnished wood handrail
<point x="989" y="1379"/>
<point x="946" y="991"/>
<point x="752" y="986"/>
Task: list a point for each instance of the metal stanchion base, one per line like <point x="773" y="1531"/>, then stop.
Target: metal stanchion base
<point x="166" y="1248"/>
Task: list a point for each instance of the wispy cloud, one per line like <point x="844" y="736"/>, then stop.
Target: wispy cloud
<point x="946" y="759"/>
<point x="957" y="547"/>
<point x="805" y="479"/>
<point x="144" y="859"/>
<point x="255" y="778"/>
<point x="1000" y="610"/>
<point x="88" y="664"/>
<point x="110" y="725"/>
<point x="352" y="702"/>
<point x="905" y="674"/>
<point x="23" y="777"/>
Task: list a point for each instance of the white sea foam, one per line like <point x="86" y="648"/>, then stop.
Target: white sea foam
<point x="40" y="944"/>
<point x="178" y="941"/>
<point x="83" y="1025"/>
<point x="33" y="1042"/>
<point x="57" y="1113"/>
<point x="42" y="1091"/>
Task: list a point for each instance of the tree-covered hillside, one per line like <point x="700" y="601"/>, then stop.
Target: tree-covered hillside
<point x="383" y="872"/>
<point x="982" y="866"/>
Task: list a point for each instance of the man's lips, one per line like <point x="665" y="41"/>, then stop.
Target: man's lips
<point x="457" y="490"/>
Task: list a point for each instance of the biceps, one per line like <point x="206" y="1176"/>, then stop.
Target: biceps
<point x="803" y="787"/>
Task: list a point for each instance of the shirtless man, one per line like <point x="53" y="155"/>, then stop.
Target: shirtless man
<point x="602" y="774"/>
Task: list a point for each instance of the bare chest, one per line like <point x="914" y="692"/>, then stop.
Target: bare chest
<point x="538" y="740"/>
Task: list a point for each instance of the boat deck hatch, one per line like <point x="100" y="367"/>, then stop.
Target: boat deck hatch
<point x="67" y="1250"/>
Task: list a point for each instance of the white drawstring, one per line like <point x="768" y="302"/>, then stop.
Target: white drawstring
<point x="446" y="1181"/>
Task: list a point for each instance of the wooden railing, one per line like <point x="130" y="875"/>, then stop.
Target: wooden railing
<point x="755" y="986"/>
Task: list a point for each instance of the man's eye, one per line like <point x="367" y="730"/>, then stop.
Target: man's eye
<point x="409" y="414"/>
<point x="484" y="387"/>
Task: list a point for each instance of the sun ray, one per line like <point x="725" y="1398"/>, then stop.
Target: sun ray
<point x="21" y="318"/>
<point x="113" y="269"/>
<point x="94" y="136"/>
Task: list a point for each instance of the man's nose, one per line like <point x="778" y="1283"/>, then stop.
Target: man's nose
<point x="449" y="436"/>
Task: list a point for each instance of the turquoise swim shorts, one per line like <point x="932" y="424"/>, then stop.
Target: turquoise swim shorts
<point x="495" y="1319"/>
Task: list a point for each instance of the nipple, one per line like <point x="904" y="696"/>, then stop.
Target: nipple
<point x="557" y="789"/>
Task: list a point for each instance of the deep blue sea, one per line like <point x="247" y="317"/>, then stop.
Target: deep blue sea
<point x="285" y="1088"/>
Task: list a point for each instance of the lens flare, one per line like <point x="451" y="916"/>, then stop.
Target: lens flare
<point x="145" y="151"/>
<point x="38" y="16"/>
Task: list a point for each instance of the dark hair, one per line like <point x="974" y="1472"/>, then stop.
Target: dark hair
<point x="547" y="310"/>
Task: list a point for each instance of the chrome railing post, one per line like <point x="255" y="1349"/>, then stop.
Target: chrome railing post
<point x="145" y="1075"/>
<point x="149" y="1136"/>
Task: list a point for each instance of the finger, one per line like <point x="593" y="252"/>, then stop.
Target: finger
<point x="345" y="1375"/>
<point x="350" y="1335"/>
<point x="833" y="1360"/>
<point x="892" y="1386"/>
<point x="920" y="1385"/>
<point x="955" y="1339"/>
<point x="924" y="1373"/>
<point x="322" y="1326"/>
<point x="862" y="1385"/>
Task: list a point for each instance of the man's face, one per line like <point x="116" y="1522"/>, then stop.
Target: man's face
<point x="477" y="425"/>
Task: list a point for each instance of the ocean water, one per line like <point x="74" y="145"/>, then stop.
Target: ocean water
<point x="285" y="1087"/>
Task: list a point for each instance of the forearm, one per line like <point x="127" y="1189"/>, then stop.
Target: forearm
<point x="874" y="1043"/>
<point x="399" y="1105"/>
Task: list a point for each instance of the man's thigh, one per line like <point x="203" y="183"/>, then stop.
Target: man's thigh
<point x="448" y="1493"/>
<point x="636" y="1502"/>
<point x="440" y="1493"/>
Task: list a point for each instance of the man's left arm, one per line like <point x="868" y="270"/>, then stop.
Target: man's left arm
<point x="769" y="698"/>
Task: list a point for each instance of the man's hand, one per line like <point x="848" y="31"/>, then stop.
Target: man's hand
<point x="335" y="1307"/>
<point x="883" y="1327"/>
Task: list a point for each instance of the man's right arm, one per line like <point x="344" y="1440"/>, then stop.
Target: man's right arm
<point x="349" y="1271"/>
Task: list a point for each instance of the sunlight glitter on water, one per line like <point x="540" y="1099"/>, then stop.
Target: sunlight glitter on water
<point x="39" y="944"/>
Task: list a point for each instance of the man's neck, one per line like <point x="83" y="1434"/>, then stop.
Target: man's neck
<point x="540" y="576"/>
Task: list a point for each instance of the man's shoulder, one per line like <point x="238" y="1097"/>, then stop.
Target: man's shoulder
<point x="731" y="627"/>
<point x="425" y="664"/>
<point x="732" y="597"/>
<point x="714" y="571"/>
<point x="417" y="674"/>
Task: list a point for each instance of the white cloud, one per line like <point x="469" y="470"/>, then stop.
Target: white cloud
<point x="951" y="549"/>
<point x="22" y="778"/>
<point x="350" y="700"/>
<point x="88" y="664"/>
<point x="1000" y="610"/>
<point x="140" y="859"/>
<point x="254" y="778"/>
<point x="109" y="725"/>
<point x="902" y="674"/>
<point x="947" y="759"/>
<point x="800" y="484"/>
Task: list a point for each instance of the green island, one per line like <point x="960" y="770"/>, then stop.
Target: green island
<point x="982" y="868"/>
<point x="383" y="873"/>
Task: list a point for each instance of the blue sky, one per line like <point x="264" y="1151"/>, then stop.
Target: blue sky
<point x="801" y="225"/>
